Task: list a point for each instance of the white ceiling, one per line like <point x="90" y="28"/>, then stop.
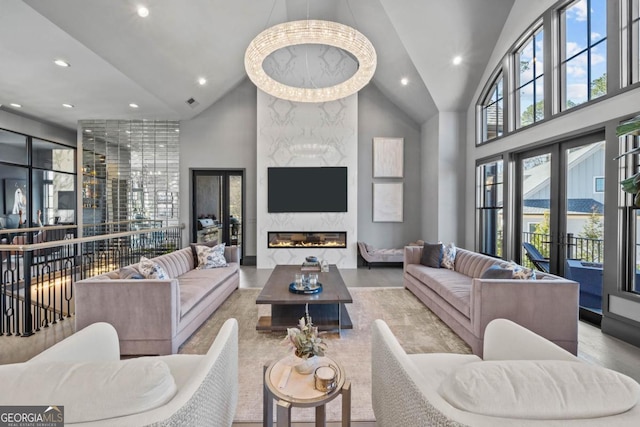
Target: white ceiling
<point x="118" y="58"/>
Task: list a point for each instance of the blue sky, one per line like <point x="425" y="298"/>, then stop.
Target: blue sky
<point x="578" y="38"/>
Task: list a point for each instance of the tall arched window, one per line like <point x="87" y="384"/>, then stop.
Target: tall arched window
<point x="529" y="73"/>
<point x="583" y="51"/>
<point x="493" y="111"/>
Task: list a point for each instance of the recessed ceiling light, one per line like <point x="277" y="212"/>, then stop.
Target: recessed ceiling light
<point x="457" y="60"/>
<point x="15" y="105"/>
<point x="127" y="131"/>
<point x="404" y="81"/>
<point x="132" y="105"/>
<point x="68" y="105"/>
<point x="143" y="12"/>
<point x="202" y="81"/>
<point x="177" y="130"/>
<point x="161" y="146"/>
<point x="87" y="130"/>
<point x="61" y="63"/>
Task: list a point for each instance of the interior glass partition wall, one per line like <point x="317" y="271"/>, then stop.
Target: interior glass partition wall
<point x="38" y="182"/>
<point x="130" y="172"/>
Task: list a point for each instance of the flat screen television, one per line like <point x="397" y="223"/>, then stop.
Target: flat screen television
<point x="307" y="189"/>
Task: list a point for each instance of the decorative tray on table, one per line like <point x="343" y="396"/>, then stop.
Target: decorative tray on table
<point x="306" y="290"/>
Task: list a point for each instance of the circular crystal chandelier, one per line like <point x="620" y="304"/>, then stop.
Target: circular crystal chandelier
<point x="310" y="32"/>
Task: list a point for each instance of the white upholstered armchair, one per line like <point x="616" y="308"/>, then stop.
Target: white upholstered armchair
<point x="524" y="380"/>
<point x="84" y="374"/>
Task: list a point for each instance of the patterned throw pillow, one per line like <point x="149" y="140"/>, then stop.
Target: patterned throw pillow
<point x="520" y="272"/>
<point x="211" y="257"/>
<point x="151" y="270"/>
<point x="448" y="256"/>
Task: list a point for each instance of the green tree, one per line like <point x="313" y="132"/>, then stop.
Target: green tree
<point x="593" y="230"/>
<point x="542" y="234"/>
<point x="528" y="116"/>
<point x="599" y="86"/>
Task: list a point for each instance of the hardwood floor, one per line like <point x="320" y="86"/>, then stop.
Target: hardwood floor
<point x="594" y="347"/>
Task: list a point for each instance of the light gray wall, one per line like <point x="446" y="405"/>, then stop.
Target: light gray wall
<point x="50" y="132"/>
<point x="222" y="137"/>
<point x="379" y="117"/>
<point x="444" y="175"/>
<point x="429" y="161"/>
<point x="450" y="177"/>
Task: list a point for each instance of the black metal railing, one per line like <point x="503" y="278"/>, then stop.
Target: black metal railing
<point x="582" y="248"/>
<point x="40" y="265"/>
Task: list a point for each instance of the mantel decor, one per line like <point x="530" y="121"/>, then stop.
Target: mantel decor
<point x="310" y="32"/>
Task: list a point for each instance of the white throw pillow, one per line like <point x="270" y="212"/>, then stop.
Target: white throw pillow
<point x="211" y="257"/>
<point x="539" y="389"/>
<point x="151" y="270"/>
<point x="90" y="391"/>
<point x="448" y="256"/>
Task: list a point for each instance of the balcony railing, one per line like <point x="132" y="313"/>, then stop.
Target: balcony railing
<point x="582" y="248"/>
<point x="36" y="279"/>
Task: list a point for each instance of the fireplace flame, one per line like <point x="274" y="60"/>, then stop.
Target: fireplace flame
<point x="289" y="244"/>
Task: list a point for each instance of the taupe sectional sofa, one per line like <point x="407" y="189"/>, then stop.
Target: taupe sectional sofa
<point x="547" y="305"/>
<point x="155" y="316"/>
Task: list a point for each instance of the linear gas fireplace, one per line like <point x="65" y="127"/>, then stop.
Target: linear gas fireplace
<point x="301" y="239"/>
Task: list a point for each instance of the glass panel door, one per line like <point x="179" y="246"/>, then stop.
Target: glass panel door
<point x="218" y="207"/>
<point x="584" y="221"/>
<point x="535" y="209"/>
<point x="562" y="214"/>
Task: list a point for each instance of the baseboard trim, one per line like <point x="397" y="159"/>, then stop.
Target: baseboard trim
<point x="621" y="330"/>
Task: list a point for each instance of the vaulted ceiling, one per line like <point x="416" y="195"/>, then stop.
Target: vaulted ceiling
<point x="118" y="58"/>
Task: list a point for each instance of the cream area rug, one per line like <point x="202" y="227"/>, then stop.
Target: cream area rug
<point x="418" y="330"/>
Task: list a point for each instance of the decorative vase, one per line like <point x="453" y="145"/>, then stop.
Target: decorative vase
<point x="306" y="366"/>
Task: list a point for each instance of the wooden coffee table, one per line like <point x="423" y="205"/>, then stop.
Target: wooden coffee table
<point x="326" y="308"/>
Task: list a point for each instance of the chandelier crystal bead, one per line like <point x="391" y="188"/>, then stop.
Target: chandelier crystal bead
<point x="310" y="32"/>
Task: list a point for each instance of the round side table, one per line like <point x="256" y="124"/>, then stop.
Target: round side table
<point x="289" y="388"/>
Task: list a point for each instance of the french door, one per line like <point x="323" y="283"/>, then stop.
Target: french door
<point x="560" y="207"/>
<point x="218" y="206"/>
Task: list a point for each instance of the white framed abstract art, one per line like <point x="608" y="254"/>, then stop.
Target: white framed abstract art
<point x="388" y="202"/>
<point x="388" y="157"/>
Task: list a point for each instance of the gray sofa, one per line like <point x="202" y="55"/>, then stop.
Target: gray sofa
<point x="155" y="316"/>
<point x="547" y="305"/>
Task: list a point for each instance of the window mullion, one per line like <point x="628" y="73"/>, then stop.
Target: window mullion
<point x="616" y="61"/>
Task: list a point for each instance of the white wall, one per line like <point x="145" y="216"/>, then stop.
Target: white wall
<point x="378" y="117"/>
<point x="222" y="137"/>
